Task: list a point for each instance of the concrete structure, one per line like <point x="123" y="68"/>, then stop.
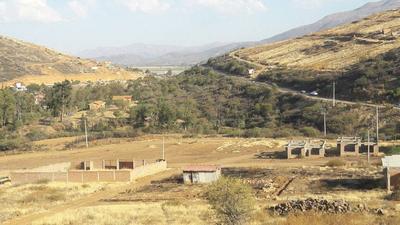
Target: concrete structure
<point x="391" y="165"/>
<point x="352" y="146"/>
<point x="96" y="105"/>
<point x="305" y="149"/>
<point x="90" y="171"/>
<point x="201" y="174"/>
<point x="349" y="146"/>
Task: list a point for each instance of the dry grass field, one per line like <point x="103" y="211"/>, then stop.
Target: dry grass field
<point x="166" y="200"/>
<point x="333" y="49"/>
<point x="17" y="201"/>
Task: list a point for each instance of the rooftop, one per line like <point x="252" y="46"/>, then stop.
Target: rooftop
<point x="201" y="168"/>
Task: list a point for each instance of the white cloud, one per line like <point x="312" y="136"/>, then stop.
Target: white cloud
<point x="27" y="10"/>
<point x="146" y="6"/>
<point x="81" y="7"/>
<point x="232" y="6"/>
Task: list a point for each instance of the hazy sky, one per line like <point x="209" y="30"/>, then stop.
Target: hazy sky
<point x="75" y="25"/>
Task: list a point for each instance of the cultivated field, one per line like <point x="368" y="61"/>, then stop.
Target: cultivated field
<point x="163" y="199"/>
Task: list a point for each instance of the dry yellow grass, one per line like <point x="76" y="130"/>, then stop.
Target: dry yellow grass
<point x="190" y="213"/>
<point x="21" y="200"/>
<point x="51" y="77"/>
<point x="314" y="52"/>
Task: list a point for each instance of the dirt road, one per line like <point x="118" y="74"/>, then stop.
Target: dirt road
<point x="295" y="92"/>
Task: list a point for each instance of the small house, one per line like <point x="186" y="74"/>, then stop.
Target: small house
<point x="96" y="105"/>
<point x="201" y="174"/>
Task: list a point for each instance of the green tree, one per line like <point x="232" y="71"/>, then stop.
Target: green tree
<point x="7" y="106"/>
<point x="232" y="200"/>
<point x="59" y="98"/>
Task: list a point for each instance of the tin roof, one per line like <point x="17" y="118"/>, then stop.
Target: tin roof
<point x="391" y="161"/>
<point x="201" y="168"/>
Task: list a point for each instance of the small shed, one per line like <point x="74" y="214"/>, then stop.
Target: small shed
<point x="201" y="174"/>
<point x="391" y="165"/>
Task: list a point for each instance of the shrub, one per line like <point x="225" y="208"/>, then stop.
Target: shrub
<point x="36" y="135"/>
<point x="232" y="200"/>
<point x="310" y="132"/>
<point x="336" y="163"/>
<point x="395" y="150"/>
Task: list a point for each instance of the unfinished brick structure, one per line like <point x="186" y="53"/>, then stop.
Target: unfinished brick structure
<point x="91" y="171"/>
<point x="351" y="146"/>
<point x="305" y="149"/>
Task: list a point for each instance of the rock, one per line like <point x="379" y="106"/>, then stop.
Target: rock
<point x="333" y="207"/>
<point x="380" y="212"/>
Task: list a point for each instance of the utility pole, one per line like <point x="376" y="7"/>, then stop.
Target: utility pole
<point x="334" y="94"/>
<point x="325" y="123"/>
<point x="163" y="147"/>
<point x="377" y="125"/>
<point x="368" y="146"/>
<point x="86" y="135"/>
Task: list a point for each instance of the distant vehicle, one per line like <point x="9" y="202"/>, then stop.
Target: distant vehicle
<point x="303" y="91"/>
<point x="314" y="93"/>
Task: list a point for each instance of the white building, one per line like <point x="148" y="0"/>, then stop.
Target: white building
<point x="201" y="174"/>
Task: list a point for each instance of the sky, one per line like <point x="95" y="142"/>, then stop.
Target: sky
<point x="72" y="26"/>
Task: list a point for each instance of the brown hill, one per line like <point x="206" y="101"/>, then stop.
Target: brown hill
<point x="331" y="50"/>
<point x="28" y="63"/>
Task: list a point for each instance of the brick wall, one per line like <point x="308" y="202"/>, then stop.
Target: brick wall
<point x="80" y="176"/>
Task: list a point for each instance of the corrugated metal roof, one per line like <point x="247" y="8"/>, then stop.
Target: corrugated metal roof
<point x="391" y="161"/>
<point x="201" y="168"/>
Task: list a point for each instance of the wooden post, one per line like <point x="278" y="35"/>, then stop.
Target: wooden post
<point x="388" y="179"/>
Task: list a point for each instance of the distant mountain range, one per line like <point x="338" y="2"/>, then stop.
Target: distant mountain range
<point x="164" y="55"/>
<point x="160" y="55"/>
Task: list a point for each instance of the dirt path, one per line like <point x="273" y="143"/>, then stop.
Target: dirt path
<point x="91" y="199"/>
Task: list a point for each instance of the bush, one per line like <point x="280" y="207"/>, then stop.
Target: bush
<point x="336" y="163"/>
<point x="12" y="144"/>
<point x="395" y="150"/>
<point x="310" y="132"/>
<point x="36" y="135"/>
<point x="233" y="201"/>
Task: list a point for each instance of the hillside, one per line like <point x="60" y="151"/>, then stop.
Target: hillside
<point x="336" y="19"/>
<point x="29" y="63"/>
<point x="331" y="50"/>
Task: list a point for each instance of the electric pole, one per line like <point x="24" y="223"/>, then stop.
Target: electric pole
<point x="334" y="94"/>
<point x="368" y="146"/>
<point x="163" y="147"/>
<point x="377" y="125"/>
<point x="325" y="124"/>
<point x="86" y="135"/>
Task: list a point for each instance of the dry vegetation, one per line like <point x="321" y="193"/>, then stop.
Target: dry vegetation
<point x="16" y="201"/>
<point x="29" y="63"/>
<point x="334" y="49"/>
<point x="157" y="213"/>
